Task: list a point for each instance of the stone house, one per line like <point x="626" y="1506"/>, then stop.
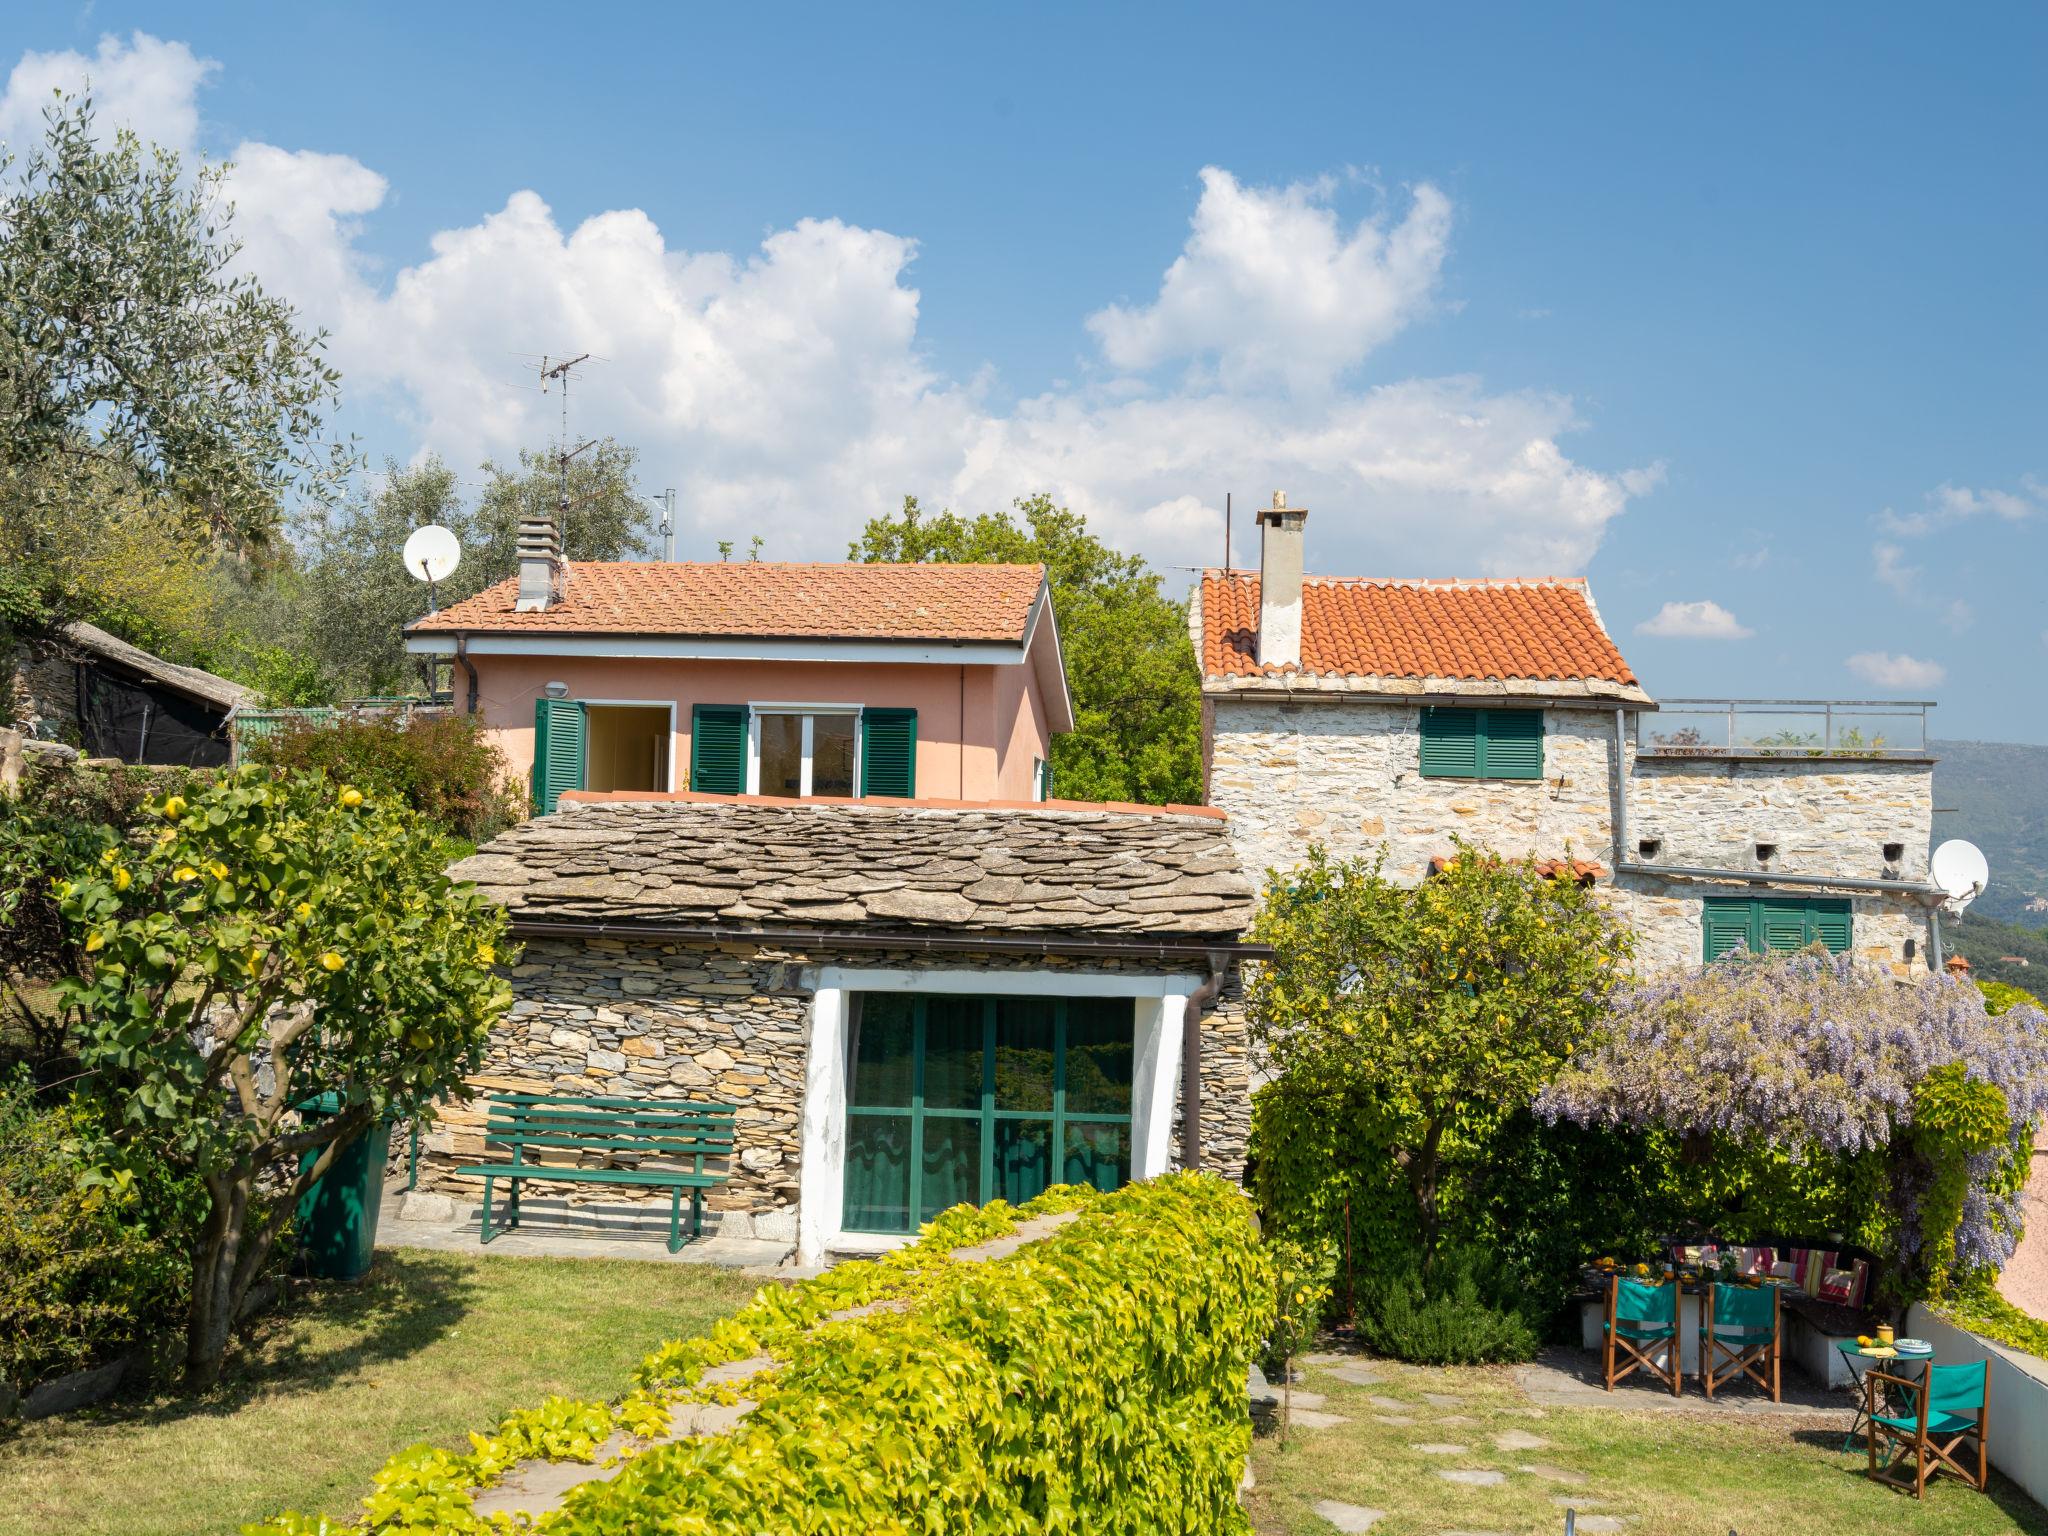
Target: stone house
<point x="911" y="1003"/>
<point x="1374" y="715"/>
<point x="760" y="677"/>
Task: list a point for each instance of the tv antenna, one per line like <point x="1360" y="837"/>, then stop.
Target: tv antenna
<point x="667" y="502"/>
<point x="562" y="372"/>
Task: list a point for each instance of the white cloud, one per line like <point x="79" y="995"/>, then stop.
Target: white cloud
<point x="1884" y="670"/>
<point x="787" y="390"/>
<point x="1694" y="621"/>
<point x="1949" y="504"/>
<point x="145" y="83"/>
<point x="1889" y="563"/>
<point x="1751" y="559"/>
<point x="1959" y="615"/>
<point x="1273" y="287"/>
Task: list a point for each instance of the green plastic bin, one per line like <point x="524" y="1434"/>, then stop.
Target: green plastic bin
<point x="338" y="1214"/>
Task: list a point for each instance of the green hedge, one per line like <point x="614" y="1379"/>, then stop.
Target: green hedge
<point x="1092" y="1382"/>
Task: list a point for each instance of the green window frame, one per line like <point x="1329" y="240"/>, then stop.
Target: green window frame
<point x="561" y="751"/>
<point x="718" y="749"/>
<point x="954" y="1098"/>
<point x="1460" y="743"/>
<point x="1766" y="925"/>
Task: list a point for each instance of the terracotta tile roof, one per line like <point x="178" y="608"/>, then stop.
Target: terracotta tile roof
<point x="770" y="598"/>
<point x="1542" y="628"/>
<point x="874" y="865"/>
<point x="1584" y="871"/>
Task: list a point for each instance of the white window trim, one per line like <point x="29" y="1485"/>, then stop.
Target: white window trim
<point x="668" y="704"/>
<point x="821" y="1181"/>
<point x="807" y="711"/>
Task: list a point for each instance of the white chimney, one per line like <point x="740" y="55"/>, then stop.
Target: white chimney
<point x="542" y="573"/>
<point x="1280" y="541"/>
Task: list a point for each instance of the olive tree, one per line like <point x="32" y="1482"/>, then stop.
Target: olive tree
<point x="1446" y="1005"/>
<point x="274" y="939"/>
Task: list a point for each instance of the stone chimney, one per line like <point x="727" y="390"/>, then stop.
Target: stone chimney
<point x="542" y="573"/>
<point x="1280" y="541"/>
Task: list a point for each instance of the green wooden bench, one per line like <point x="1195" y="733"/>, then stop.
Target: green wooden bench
<point x="627" y="1134"/>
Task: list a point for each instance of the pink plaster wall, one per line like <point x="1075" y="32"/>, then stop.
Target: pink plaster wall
<point x="975" y="724"/>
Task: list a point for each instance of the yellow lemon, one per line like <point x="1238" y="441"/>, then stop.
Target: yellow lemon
<point x="304" y="910"/>
<point x="218" y="870"/>
<point x="351" y="797"/>
<point x="330" y="961"/>
<point x="122" y="879"/>
<point x="184" y="872"/>
<point x="485" y="954"/>
<point x="174" y="807"/>
<point x="94" y="941"/>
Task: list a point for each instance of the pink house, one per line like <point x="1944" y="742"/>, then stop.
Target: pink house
<point x="760" y="678"/>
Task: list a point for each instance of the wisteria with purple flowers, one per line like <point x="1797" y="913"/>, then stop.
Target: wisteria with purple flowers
<point x="1818" y="1056"/>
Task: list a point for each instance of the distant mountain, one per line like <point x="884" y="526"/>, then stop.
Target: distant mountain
<point x="2000" y="951"/>
<point x="1999" y="791"/>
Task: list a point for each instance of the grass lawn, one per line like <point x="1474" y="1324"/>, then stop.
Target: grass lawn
<point x="1668" y="1474"/>
<point x="431" y="1346"/>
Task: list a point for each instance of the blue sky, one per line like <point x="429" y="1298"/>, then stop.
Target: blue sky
<point x="1741" y="316"/>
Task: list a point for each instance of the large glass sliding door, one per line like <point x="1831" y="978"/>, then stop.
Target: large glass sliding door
<point x="973" y="1098"/>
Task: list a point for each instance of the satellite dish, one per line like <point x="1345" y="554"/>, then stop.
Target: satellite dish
<point x="432" y="553"/>
<point x="1960" y="870"/>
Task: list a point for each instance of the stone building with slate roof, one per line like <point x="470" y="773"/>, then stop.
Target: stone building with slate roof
<point x="912" y="1004"/>
<point x="1394" y="716"/>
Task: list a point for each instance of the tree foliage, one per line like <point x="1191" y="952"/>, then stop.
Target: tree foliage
<point x="1130" y="664"/>
<point x="1433" y="1011"/>
<point x="275" y="939"/>
<point x="129" y="341"/>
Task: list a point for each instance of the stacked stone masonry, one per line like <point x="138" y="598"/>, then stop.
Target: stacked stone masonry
<point x="730" y="1023"/>
<point x="1344" y="771"/>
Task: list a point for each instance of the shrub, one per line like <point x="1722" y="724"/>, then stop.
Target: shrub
<point x="1461" y="1315"/>
<point x="81" y="1273"/>
<point x="1094" y="1382"/>
<point x="1976" y="1305"/>
<point x="443" y="766"/>
<point x="278" y="938"/>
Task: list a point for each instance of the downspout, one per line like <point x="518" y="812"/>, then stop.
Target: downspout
<point x="1931" y="895"/>
<point x="462" y="655"/>
<point x="1191" y="1060"/>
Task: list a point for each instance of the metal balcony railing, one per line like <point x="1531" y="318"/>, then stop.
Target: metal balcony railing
<point x="1785" y="728"/>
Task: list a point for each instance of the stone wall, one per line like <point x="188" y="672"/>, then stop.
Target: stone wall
<point x="40" y="685"/>
<point x="730" y="1024"/>
<point x="1344" y="771"/>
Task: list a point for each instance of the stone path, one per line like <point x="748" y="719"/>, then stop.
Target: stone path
<point x="1349" y="1517"/>
<point x="443" y="1224"/>
<point x="1440" y="1448"/>
<point x="1474" y="1477"/>
<point x="538" y="1487"/>
<point x="1519" y="1440"/>
<point x="1355" y="1375"/>
<point x="1570" y="1378"/>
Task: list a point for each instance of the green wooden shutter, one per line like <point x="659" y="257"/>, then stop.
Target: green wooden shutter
<point x="888" y="752"/>
<point x="1782" y="926"/>
<point x="718" y="749"/>
<point x="1450" y="743"/>
<point x="560" y="737"/>
<point x="1726" y="923"/>
<point x="1830" y="924"/>
<point x="1510" y="743"/>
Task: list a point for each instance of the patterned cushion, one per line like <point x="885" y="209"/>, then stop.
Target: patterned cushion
<point x="1810" y="1267"/>
<point x="1845" y="1286"/>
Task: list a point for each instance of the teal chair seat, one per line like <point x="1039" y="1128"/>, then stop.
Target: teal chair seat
<point x="1739" y="1337"/>
<point x="1639" y="1318"/>
<point x="1936" y="1417"/>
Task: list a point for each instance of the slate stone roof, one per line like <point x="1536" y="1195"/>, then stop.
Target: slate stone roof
<point x="767" y="598"/>
<point x="1490" y="634"/>
<point x="973" y="870"/>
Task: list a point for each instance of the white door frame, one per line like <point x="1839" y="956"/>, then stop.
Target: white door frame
<point x="821" y="1179"/>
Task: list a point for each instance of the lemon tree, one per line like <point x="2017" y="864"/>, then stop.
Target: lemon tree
<point x="269" y="940"/>
<point x="1442" y="1006"/>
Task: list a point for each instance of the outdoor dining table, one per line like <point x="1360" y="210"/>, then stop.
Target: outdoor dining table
<point x="1891" y="1360"/>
